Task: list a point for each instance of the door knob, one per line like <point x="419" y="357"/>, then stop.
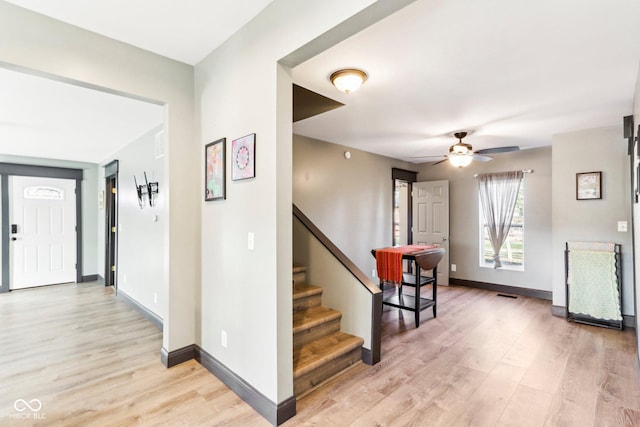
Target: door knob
<point x="444" y="239"/>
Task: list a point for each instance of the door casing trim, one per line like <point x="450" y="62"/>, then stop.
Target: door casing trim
<point x="14" y="169"/>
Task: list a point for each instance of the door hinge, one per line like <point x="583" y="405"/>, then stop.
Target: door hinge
<point x="113" y="190"/>
<point x="113" y="268"/>
<point x="113" y="229"/>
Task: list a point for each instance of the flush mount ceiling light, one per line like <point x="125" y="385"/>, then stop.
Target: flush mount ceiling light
<point x="348" y="80"/>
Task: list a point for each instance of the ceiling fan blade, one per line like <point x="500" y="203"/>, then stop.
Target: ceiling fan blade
<point x="424" y="157"/>
<point x="498" y="150"/>
<point x="482" y="158"/>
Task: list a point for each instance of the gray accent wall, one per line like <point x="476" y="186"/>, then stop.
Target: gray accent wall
<point x="592" y="150"/>
<point x="350" y="200"/>
<point x="464" y="218"/>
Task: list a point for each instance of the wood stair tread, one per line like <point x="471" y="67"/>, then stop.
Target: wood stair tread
<point x="303" y="291"/>
<point x="299" y="269"/>
<point x="313" y="316"/>
<point x="322" y="351"/>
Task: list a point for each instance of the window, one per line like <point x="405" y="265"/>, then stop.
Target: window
<point x="47" y="193"/>
<point x="512" y="251"/>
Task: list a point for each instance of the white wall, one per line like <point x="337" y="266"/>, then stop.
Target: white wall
<point x="44" y="46"/>
<point x="89" y="204"/>
<point x="602" y="149"/>
<point x="349" y="200"/>
<point x="241" y="89"/>
<point x="141" y="242"/>
<point x="464" y="218"/>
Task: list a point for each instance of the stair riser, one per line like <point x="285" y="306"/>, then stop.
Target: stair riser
<point x="312" y="379"/>
<point x="300" y="278"/>
<point x="307" y="302"/>
<point x="305" y="337"/>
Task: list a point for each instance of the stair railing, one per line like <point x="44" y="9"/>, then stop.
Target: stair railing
<point x="371" y="356"/>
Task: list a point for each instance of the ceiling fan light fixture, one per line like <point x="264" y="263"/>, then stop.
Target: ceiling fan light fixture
<point x="348" y="80"/>
<point x="460" y="160"/>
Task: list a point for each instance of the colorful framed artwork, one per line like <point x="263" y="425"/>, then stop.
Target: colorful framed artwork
<point x="214" y="170"/>
<point x="589" y="185"/>
<point x="243" y="157"/>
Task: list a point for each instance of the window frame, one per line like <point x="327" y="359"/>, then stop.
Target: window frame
<point x="506" y="265"/>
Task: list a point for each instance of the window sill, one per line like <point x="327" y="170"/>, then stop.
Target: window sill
<point x="504" y="267"/>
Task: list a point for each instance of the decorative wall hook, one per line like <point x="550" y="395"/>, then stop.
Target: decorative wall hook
<point x="147" y="191"/>
<point x="142" y="191"/>
<point x="152" y="190"/>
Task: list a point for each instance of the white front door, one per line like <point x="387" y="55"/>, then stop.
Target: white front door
<point x="431" y="220"/>
<point x="43" y="231"/>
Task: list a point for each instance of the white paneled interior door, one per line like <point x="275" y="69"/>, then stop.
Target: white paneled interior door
<point x="43" y="231"/>
<point x="431" y="220"/>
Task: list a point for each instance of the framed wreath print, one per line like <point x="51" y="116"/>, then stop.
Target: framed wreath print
<point x="214" y="170"/>
<point x="243" y="157"/>
<point x="589" y="185"/>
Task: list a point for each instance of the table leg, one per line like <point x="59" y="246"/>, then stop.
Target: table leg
<point x="417" y="295"/>
<point x="435" y="290"/>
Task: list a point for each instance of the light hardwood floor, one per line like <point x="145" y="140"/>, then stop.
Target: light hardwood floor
<point x="486" y="360"/>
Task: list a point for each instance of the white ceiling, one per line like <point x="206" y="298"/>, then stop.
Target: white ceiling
<point x="186" y="31"/>
<point x="44" y="118"/>
<point x="514" y="73"/>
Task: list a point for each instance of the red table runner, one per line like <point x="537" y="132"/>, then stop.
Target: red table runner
<point x="389" y="260"/>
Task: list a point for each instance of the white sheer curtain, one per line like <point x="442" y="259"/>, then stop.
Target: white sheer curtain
<point x="498" y="196"/>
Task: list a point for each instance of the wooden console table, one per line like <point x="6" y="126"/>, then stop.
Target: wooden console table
<point x="423" y="258"/>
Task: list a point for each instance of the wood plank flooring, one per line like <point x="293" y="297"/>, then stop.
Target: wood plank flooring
<point x="92" y="361"/>
<point x="485" y="360"/>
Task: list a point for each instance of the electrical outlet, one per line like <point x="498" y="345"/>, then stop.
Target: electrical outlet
<point x="251" y="240"/>
<point x="622" y="226"/>
<point x="155" y="297"/>
<point x="374" y="273"/>
<point x="223" y="338"/>
<point x="453" y="267"/>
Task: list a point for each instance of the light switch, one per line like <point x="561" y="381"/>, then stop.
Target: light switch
<point x="622" y="226"/>
<point x="251" y="241"/>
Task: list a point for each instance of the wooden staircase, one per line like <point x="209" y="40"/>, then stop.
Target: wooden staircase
<point x="320" y="349"/>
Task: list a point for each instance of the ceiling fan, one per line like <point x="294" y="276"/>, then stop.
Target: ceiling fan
<point x="461" y="154"/>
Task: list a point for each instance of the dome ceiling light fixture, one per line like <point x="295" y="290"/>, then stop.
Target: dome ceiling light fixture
<point x="348" y="80"/>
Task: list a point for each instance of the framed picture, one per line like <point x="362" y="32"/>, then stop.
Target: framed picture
<point x="214" y="170"/>
<point x="589" y="185"/>
<point x="243" y="157"/>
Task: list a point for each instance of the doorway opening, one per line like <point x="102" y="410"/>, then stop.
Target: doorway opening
<point x="402" y="214"/>
<point x="111" y="224"/>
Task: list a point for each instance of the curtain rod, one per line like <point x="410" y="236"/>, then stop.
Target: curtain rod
<point x="523" y="171"/>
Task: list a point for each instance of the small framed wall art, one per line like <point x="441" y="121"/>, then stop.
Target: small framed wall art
<point x="589" y="185"/>
<point x="243" y="157"/>
<point x="214" y="170"/>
